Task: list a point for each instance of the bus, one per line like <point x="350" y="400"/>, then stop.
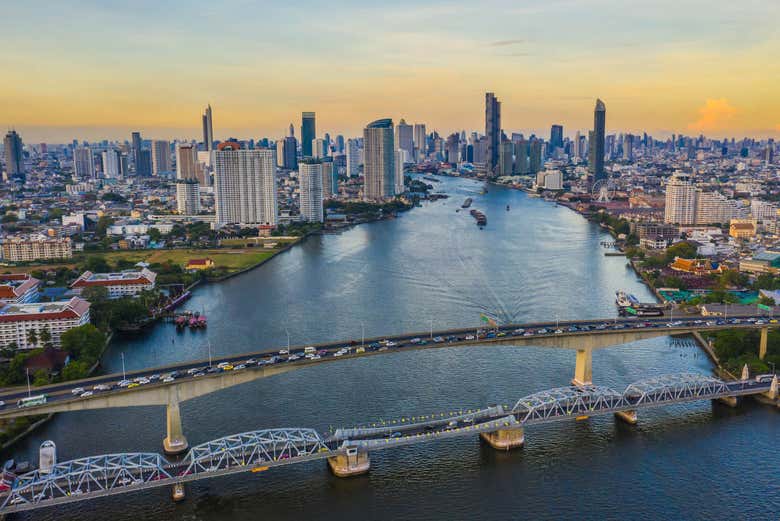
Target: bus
<point x="32" y="401"/>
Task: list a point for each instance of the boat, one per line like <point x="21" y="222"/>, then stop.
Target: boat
<point x="623" y="299"/>
<point x="466" y="203"/>
<point x="507" y="208"/>
<point x="178" y="492"/>
<point x="629" y="305"/>
<point x="480" y="217"/>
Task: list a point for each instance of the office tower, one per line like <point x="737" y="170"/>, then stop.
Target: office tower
<point x="330" y="178"/>
<point x="186" y="161"/>
<point x="14" y="159"/>
<point x="112" y="168"/>
<point x="310" y="175"/>
<point x="556" y="138"/>
<point x="404" y="139"/>
<point x="451" y="147"/>
<point x="244" y="185"/>
<point x="353" y="157"/>
<point x="83" y="163"/>
<point x="628" y="147"/>
<point x="399" y="171"/>
<point x="208" y="129"/>
<point x="492" y="129"/>
<point x="290" y="151"/>
<point x="597" y="142"/>
<point x="340" y="144"/>
<point x="308" y="132"/>
<point x="505" y="160"/>
<point x="535" y="156"/>
<point x="161" y="157"/>
<point x="420" y="142"/>
<point x="319" y="148"/>
<point x="680" y="205"/>
<point x="187" y="196"/>
<point x="575" y="147"/>
<point x="378" y="160"/>
<point x="280" y="153"/>
<point x="141" y="158"/>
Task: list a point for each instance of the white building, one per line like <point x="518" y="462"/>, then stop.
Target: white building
<point x="680" y="205"/>
<point x="18" y="288"/>
<point x="16" y="320"/>
<point x="310" y="175"/>
<point x="112" y="164"/>
<point x="36" y="247"/>
<point x="245" y="186"/>
<point x="379" y="160"/>
<point x="123" y="284"/>
<point x="319" y="148"/>
<point x="354" y="157"/>
<point x="188" y="197"/>
<point x="549" y="180"/>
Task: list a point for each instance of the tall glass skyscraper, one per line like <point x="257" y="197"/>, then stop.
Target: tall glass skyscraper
<point x="308" y="132"/>
<point x="379" y="160"/>
<point x="14" y="162"/>
<point x="492" y="129"/>
<point x="208" y="129"/>
<point x="596" y="145"/>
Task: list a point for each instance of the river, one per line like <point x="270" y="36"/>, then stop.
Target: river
<point x="536" y="261"/>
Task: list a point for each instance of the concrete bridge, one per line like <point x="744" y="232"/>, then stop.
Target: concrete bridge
<point x="347" y="450"/>
<point x="200" y="377"/>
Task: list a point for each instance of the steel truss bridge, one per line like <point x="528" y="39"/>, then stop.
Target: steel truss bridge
<point x="110" y="474"/>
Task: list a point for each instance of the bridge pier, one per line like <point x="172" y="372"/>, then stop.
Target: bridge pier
<point x="175" y="442"/>
<point x="505" y="439"/>
<point x="583" y="371"/>
<point x="772" y="393"/>
<point x="353" y="463"/>
<point x="627" y="416"/>
<point x="763" y="343"/>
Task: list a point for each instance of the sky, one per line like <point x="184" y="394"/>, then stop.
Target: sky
<point x="98" y="69"/>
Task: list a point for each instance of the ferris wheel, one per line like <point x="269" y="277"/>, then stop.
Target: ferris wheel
<point x="603" y="190"/>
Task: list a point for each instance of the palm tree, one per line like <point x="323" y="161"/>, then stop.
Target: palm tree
<point x="32" y="337"/>
<point x="45" y="336"/>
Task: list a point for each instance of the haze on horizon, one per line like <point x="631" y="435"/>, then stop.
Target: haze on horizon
<point x="94" y="69"/>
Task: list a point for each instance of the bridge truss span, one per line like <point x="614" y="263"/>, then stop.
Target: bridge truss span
<point x="94" y="476"/>
<point x="254" y="447"/>
<point x="566" y="401"/>
<point x="675" y="388"/>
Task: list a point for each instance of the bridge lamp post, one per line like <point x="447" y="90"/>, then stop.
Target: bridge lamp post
<point x="123" y="366"/>
<point x="287" y="331"/>
<point x="362" y="334"/>
<point x="29" y="390"/>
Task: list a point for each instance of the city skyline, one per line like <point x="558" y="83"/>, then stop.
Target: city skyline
<point x="657" y="72"/>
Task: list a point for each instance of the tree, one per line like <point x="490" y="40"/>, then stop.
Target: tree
<point x="95" y="294"/>
<point x="45" y="337"/>
<point x="75" y="370"/>
<point x="102" y="225"/>
<point x="40" y="377"/>
<point x="96" y="264"/>
<point x="83" y="342"/>
<point x="32" y="337"/>
<point x="154" y="234"/>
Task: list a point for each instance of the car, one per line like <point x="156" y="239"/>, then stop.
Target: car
<point x="86" y="394"/>
<point x="133" y="385"/>
<point x="251" y="361"/>
<point x="168" y="379"/>
<point x="77" y="390"/>
<point x="2" y="403"/>
<point x="154" y="377"/>
<point x="101" y="387"/>
<point x="239" y="367"/>
<point x="415" y="340"/>
<point x="396" y="435"/>
<point x="284" y="351"/>
<point x="452" y="423"/>
<point x="501" y="334"/>
<point x="227" y="367"/>
<point x="338" y="353"/>
<point x="558" y="331"/>
<point x="469" y="337"/>
<point x="360" y="350"/>
<point x="198" y="374"/>
<point x="124" y="383"/>
<point x="143" y="381"/>
<point x="391" y="344"/>
<point x="213" y="370"/>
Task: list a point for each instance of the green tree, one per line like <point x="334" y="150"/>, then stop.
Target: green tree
<point x="83" y="342"/>
<point x="102" y="225"/>
<point x="154" y="234"/>
<point x="40" y="377"/>
<point x="75" y="370"/>
<point x="96" y="264"/>
<point x="32" y="337"/>
<point x="45" y="337"/>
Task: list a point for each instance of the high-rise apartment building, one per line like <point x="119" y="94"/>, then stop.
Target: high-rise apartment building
<point x="399" y="171"/>
<point x="14" y="158"/>
<point x="83" y="163"/>
<point x="420" y="142"/>
<point x="187" y="196"/>
<point x="506" y="158"/>
<point x="492" y="129"/>
<point x="112" y="165"/>
<point x="161" y="157"/>
<point x="310" y="175"/>
<point x="522" y="151"/>
<point x="597" y="142"/>
<point x="208" y="129"/>
<point x="535" y="156"/>
<point x="244" y="185"/>
<point x="330" y="178"/>
<point x="628" y="147"/>
<point x="404" y="140"/>
<point x="680" y="205"/>
<point x="141" y="158"/>
<point x="354" y="157"/>
<point x="319" y="148"/>
<point x="186" y="161"/>
<point x="308" y="132"/>
<point x="379" y="160"/>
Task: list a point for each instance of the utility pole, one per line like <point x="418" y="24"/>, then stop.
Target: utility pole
<point x="29" y="391"/>
<point x="123" y="366"/>
<point x="362" y="334"/>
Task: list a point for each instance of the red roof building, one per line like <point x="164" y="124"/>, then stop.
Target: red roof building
<point x="18" y="288"/>
<point x="122" y="284"/>
<point x="17" y="320"/>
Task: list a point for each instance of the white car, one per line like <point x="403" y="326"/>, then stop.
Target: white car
<point x="101" y="387"/>
<point x="86" y="394"/>
<point x="124" y="383"/>
<point x="284" y="352"/>
<point x="469" y="337"/>
<point x="167" y="379"/>
<point x="2" y="403"/>
<point x="77" y="390"/>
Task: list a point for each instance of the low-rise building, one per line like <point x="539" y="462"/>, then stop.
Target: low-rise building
<point x="25" y="249"/>
<point x="695" y="266"/>
<point x="763" y="262"/>
<point x="742" y="228"/>
<point x="122" y="284"/>
<point x="18" y="288"/>
<point x="16" y="320"/>
<point x="199" y="264"/>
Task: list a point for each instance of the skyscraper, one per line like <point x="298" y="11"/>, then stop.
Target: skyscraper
<point x="161" y="157"/>
<point x="535" y="156"/>
<point x="505" y="162"/>
<point x="353" y="157"/>
<point x="492" y="129"/>
<point x="208" y="129"/>
<point x="142" y="161"/>
<point x="680" y="207"/>
<point x="14" y="160"/>
<point x="404" y="140"/>
<point x="522" y="151"/>
<point x="186" y="161"/>
<point x="310" y="174"/>
<point x="628" y="147"/>
<point x="187" y="196"/>
<point x="112" y="168"/>
<point x="319" y="148"/>
<point x="399" y="171"/>
<point x="244" y="185"/>
<point x="83" y="163"/>
<point x="420" y="142"/>
<point x="330" y="178"/>
<point x="556" y="138"/>
<point x="597" y="139"/>
<point x="308" y="132"/>
<point x="378" y="160"/>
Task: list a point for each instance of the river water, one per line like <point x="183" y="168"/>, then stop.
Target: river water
<point x="536" y="261"/>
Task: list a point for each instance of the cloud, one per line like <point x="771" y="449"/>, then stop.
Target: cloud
<point x="504" y="43"/>
<point x="716" y="114"/>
